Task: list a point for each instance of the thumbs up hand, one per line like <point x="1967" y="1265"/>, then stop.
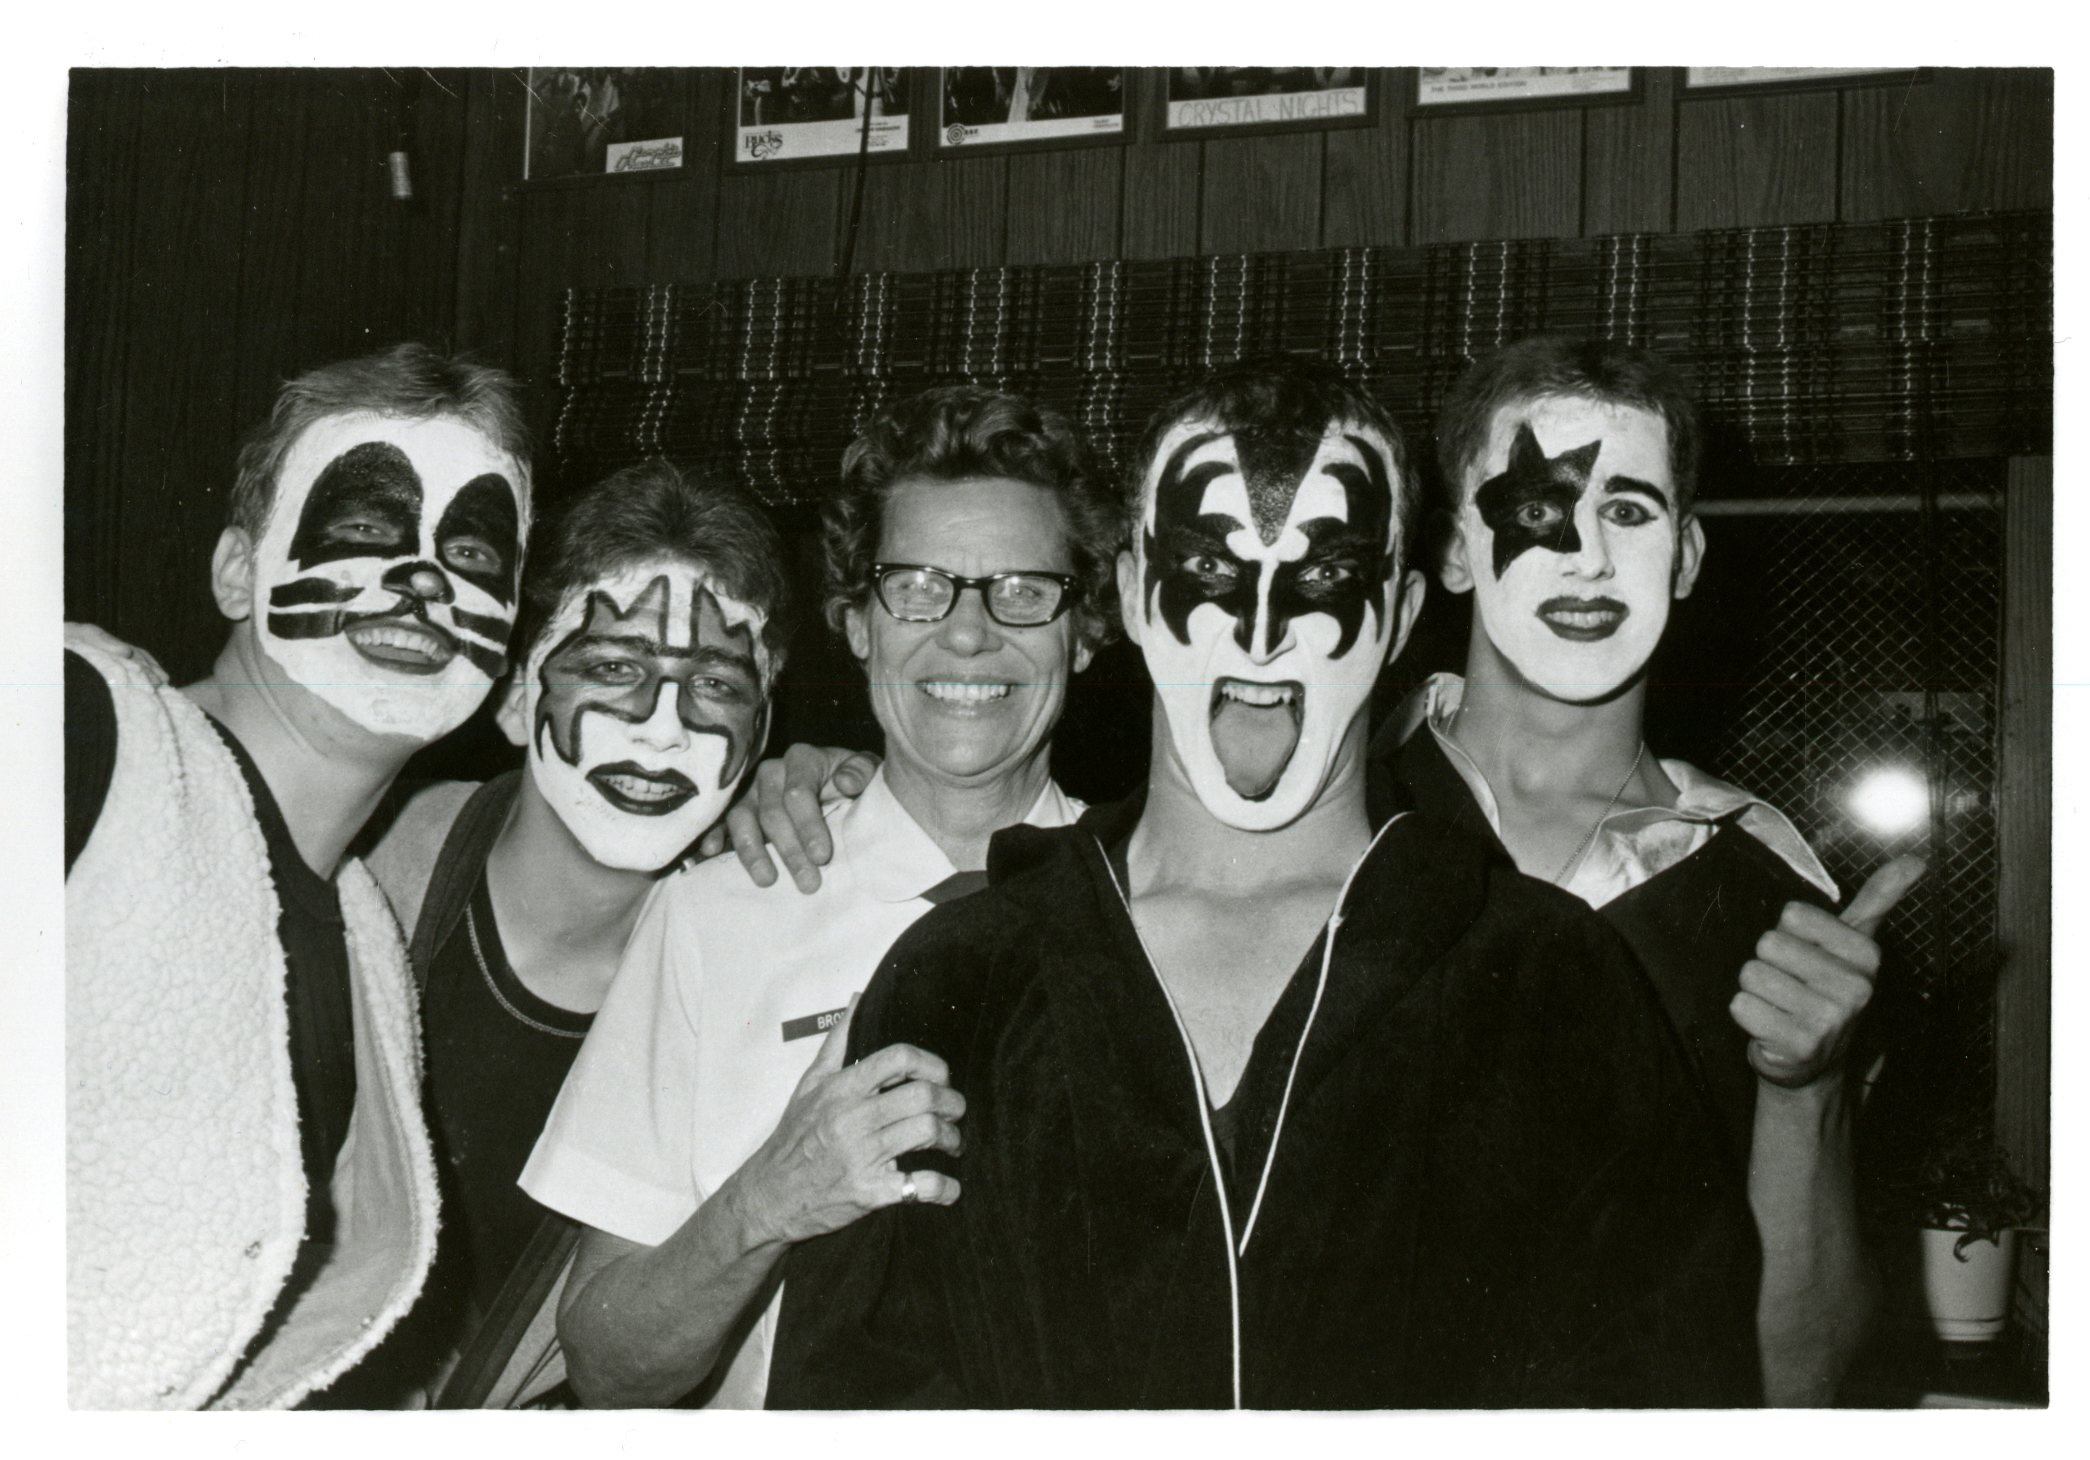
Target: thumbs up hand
<point x="1812" y="976"/>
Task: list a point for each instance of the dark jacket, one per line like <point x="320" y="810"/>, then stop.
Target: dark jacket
<point x="1691" y="927"/>
<point x="1483" y="1191"/>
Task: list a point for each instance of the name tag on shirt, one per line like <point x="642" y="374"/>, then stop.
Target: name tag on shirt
<point x="811" y="1024"/>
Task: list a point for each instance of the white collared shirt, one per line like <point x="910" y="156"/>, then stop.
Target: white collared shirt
<point x="723" y="997"/>
<point x="1634" y="843"/>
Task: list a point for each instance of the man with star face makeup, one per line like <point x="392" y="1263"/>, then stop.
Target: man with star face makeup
<point x="1278" y="1095"/>
<point x="250" y="1196"/>
<point x="1570" y="468"/>
<point x="655" y="620"/>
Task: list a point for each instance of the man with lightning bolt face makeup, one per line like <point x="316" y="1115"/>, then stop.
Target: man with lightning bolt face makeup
<point x="655" y="620"/>
<point x="648" y="703"/>
<point x="1570" y="468"/>
<point x="238" y="999"/>
<point x="1233" y="1051"/>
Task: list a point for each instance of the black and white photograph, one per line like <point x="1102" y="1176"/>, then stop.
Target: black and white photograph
<point x="790" y="112"/>
<point x="1386" y="745"/>
<point x="1200" y="98"/>
<point x="589" y="120"/>
<point x="985" y="106"/>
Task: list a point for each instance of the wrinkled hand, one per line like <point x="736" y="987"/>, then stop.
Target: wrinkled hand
<point x="1812" y="976"/>
<point x="832" y="1157"/>
<point x="144" y="668"/>
<point x="781" y="808"/>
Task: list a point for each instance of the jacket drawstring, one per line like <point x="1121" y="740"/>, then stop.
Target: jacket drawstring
<point x="1235" y="1252"/>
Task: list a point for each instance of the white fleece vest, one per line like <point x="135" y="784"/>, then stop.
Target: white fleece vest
<point x="184" y="1186"/>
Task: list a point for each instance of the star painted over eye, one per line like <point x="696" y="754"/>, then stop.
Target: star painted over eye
<point x="1531" y="504"/>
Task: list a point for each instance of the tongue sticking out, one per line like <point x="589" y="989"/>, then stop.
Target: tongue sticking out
<point x="1254" y="744"/>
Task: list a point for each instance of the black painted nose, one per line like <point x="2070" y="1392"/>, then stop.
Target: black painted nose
<point x="423" y="580"/>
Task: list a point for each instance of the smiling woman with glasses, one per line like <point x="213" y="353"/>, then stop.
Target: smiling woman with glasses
<point x="970" y="563"/>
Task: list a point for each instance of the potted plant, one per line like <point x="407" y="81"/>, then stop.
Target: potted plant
<point x="1970" y="1204"/>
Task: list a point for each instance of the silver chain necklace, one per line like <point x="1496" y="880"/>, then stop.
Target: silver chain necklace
<point x="493" y="985"/>
<point x="1574" y="863"/>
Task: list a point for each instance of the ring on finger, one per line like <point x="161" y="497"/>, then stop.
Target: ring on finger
<point x="908" y="1192"/>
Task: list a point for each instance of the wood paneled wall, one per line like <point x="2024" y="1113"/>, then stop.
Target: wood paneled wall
<point x="1963" y="140"/>
<point x="225" y="230"/>
<point x="2025" y="822"/>
<point x="229" y="228"/>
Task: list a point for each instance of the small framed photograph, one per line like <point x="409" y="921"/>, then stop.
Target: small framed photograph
<point x="1009" y="106"/>
<point x="1734" y="80"/>
<point x="798" y="113"/>
<point x="1202" y="100"/>
<point x="604" y="121"/>
<point x="1473" y="87"/>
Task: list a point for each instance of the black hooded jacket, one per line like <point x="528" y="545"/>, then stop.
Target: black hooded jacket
<point x="1690" y="927"/>
<point x="1470" y="1168"/>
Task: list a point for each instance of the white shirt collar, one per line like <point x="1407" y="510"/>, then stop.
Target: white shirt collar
<point x="893" y="859"/>
<point x="1701" y="799"/>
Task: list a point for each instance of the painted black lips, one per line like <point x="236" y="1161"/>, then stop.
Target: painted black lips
<point x="1583" y="620"/>
<point x="668" y="791"/>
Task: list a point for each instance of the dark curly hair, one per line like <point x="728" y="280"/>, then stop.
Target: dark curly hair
<point x="654" y="510"/>
<point x="1281" y="393"/>
<point x="952" y="433"/>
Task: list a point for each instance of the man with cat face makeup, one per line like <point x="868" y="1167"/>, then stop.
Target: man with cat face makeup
<point x="656" y="618"/>
<point x="1277" y="1095"/>
<point x="1570" y="467"/>
<point x="250" y="1197"/>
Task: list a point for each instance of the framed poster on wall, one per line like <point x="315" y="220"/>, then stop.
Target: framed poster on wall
<point x="1716" y="79"/>
<point x="1443" y="87"/>
<point x="792" y="113"/>
<point x="594" y="121"/>
<point x="1200" y="100"/>
<point x="1003" y="106"/>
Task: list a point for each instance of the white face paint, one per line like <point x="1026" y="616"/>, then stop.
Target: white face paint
<point x="1570" y="541"/>
<point x="1266" y="606"/>
<point x="645" y="698"/>
<point x="385" y="579"/>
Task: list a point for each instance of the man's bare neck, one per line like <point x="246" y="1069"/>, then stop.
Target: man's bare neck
<point x="326" y="775"/>
<point x="1530" y="744"/>
<point x="564" y="917"/>
<point x="1180" y="844"/>
<point x="1227" y="914"/>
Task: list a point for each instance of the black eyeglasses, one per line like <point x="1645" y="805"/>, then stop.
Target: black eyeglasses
<point x="919" y="595"/>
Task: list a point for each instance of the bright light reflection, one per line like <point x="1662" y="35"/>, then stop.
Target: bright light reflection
<point x="1892" y="800"/>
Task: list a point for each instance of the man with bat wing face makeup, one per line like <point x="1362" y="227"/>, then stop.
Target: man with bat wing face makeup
<point x="1239" y="1053"/>
<point x="250" y="1195"/>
